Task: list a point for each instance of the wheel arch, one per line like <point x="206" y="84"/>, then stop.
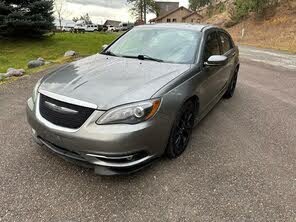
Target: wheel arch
<point x="195" y="99"/>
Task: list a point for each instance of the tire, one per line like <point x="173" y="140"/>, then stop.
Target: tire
<point x="231" y="88"/>
<point x="181" y="131"/>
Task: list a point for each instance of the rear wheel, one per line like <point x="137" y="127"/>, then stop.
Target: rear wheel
<point x="231" y="88"/>
<point x="181" y="130"/>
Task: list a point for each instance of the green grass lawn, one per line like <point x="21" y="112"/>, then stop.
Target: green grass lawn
<point x="17" y="53"/>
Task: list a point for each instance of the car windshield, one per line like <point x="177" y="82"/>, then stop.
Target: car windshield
<point x="165" y="45"/>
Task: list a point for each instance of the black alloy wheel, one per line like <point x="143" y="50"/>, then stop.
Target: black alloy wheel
<point x="181" y="131"/>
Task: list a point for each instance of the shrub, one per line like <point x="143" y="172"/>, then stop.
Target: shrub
<point x="242" y="8"/>
<point x="26" y="18"/>
<point x="221" y="7"/>
<point x="210" y="10"/>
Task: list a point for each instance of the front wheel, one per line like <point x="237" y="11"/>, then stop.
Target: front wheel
<point x="181" y="130"/>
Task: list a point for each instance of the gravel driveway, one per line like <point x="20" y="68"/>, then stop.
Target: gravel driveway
<point x="240" y="165"/>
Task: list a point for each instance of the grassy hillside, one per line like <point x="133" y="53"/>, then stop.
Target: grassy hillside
<point x="276" y="32"/>
<point x="17" y="53"/>
<point x="276" y="29"/>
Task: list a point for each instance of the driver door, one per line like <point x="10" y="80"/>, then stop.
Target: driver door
<point x="211" y="85"/>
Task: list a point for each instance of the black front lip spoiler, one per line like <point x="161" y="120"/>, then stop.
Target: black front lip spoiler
<point x="107" y="171"/>
<point x="99" y="170"/>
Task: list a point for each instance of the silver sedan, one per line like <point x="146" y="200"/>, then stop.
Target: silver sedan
<point x="138" y="99"/>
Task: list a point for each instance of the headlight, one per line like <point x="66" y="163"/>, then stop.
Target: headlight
<point x="35" y="90"/>
<point x="131" y="113"/>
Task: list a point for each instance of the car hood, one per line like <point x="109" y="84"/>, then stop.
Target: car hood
<point x="109" y="81"/>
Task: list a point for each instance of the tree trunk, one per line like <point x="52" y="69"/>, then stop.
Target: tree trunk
<point x="141" y="10"/>
<point x="60" y="21"/>
<point x="145" y="11"/>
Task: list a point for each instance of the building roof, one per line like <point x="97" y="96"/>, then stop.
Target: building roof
<point x="112" y="22"/>
<point x="189" y="26"/>
<point x="169" y="13"/>
<point x="158" y="2"/>
<point x="191" y="14"/>
<point x="165" y="7"/>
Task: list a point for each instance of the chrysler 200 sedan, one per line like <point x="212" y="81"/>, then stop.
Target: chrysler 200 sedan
<point x="138" y="99"/>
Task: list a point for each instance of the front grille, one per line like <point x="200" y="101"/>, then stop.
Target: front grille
<point x="63" y="114"/>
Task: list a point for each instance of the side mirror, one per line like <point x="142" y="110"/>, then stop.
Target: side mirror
<point x="216" y="60"/>
<point x="104" y="47"/>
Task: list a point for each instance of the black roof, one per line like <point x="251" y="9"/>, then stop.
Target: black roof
<point x="112" y="22"/>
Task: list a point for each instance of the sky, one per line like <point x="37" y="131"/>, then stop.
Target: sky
<point x="101" y="10"/>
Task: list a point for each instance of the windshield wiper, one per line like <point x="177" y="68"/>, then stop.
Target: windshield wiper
<point x="144" y="57"/>
<point x="109" y="53"/>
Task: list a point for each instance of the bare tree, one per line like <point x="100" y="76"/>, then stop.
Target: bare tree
<point x="140" y="8"/>
<point x="59" y="6"/>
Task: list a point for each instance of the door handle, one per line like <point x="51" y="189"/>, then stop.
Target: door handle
<point x="232" y="55"/>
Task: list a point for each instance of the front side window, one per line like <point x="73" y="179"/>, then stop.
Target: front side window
<point x="212" y="46"/>
<point x="226" y="43"/>
<point x="168" y="20"/>
<point x="170" y="45"/>
<point x="174" y="20"/>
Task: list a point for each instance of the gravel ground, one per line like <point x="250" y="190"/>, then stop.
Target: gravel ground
<point x="240" y="165"/>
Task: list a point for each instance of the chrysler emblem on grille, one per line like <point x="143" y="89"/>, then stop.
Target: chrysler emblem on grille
<point x="60" y="109"/>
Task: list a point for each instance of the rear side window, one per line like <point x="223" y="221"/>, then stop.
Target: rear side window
<point x="212" y="46"/>
<point x="226" y="43"/>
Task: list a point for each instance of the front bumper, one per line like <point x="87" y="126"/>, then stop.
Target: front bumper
<point x="109" y="149"/>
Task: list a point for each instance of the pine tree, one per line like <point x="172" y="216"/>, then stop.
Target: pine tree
<point x="26" y="18"/>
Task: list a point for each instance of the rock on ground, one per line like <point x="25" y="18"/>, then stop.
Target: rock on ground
<point x="14" y="72"/>
<point x="36" y="63"/>
<point x="70" y="53"/>
<point x="41" y="59"/>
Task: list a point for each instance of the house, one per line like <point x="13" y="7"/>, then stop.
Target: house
<point x="193" y="17"/>
<point x="112" y="23"/>
<point x="179" y="15"/>
<point x="139" y="22"/>
<point x="165" y="7"/>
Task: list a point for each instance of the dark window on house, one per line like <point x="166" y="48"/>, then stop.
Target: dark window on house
<point x="168" y="20"/>
<point x="174" y="20"/>
<point x="192" y="20"/>
<point x="226" y="43"/>
<point x="212" y="46"/>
